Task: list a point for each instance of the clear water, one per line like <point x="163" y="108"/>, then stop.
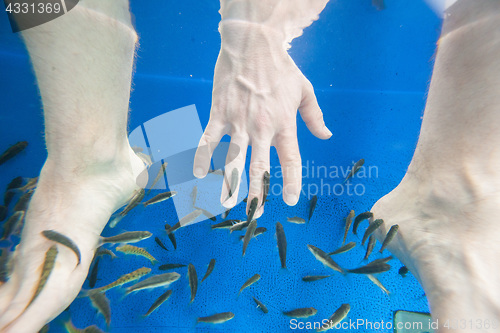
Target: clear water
<point x="370" y="70"/>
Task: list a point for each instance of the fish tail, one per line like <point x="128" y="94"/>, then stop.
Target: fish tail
<point x="115" y="221"/>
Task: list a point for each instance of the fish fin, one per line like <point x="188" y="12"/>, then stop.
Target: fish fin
<point x="122" y="293"/>
<point x="83" y="293"/>
<point x="115" y="220"/>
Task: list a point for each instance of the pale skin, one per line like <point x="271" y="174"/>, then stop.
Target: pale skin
<point x="445" y="205"/>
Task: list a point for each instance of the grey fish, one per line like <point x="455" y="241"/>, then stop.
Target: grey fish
<point x="159" y="242"/>
<point x="15" y="183"/>
<point x="249" y="282"/>
<point x="312" y="206"/>
<point x="193" y="281"/>
<point x="258" y="231"/>
<point x="159" y="301"/>
<point x="7" y="198"/>
<point x="218" y="172"/>
<point x="160" y="174"/>
<point x="371" y="228"/>
<point x="126" y="278"/>
<point x="24" y="201"/>
<point x="324" y="258"/>
<point x="155" y="281"/>
<point x="355" y="168"/>
<point x="4" y="264"/>
<point x="44" y="329"/>
<point x="225" y="224"/>
<point x="403" y="271"/>
<point x="260" y="305"/>
<point x="171" y="236"/>
<point x="206" y="213"/>
<point x="312" y="278"/>
<point x="127" y="237"/>
<point x="382" y="260"/>
<point x="48" y="266"/>
<point x="170" y="266"/>
<point x="70" y="328"/>
<point x="218" y="318"/>
<point x="343" y="249"/>
<point x="63" y="240"/>
<point x="31" y="184"/>
<point x="101" y="303"/>
<point x="360" y="218"/>
<point x="160" y="197"/>
<point x="371" y="269"/>
<point x="266" y="181"/>
<point x="225" y="213"/>
<point x="186" y="220"/>
<point x="389" y="237"/>
<point x="348" y="222"/>
<point x="378" y="283"/>
<point x="136" y="199"/>
<point x="281" y="239"/>
<point x="194" y="195"/>
<point x="210" y="268"/>
<point x="249" y="234"/>
<point x="252" y="209"/>
<point x="336" y="318"/>
<point x="369" y="248"/>
<point x="10" y="224"/>
<point x="235" y="176"/>
<point x="239" y="226"/>
<point x="245" y="200"/>
<point x="13" y="151"/>
<point x="101" y="251"/>
<point x="93" y="273"/>
<point x="296" y="220"/>
<point x="3" y="213"/>
<point x="301" y="313"/>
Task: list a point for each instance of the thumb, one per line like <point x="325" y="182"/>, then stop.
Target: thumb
<point x="311" y="113"/>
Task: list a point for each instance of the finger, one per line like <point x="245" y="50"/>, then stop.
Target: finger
<point x="259" y="164"/>
<point x="208" y="142"/>
<point x="235" y="163"/>
<point x="291" y="164"/>
<point x="311" y="112"/>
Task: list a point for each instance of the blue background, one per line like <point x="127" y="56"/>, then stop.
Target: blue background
<point x="370" y="70"/>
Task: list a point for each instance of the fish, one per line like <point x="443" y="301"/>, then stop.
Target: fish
<point x="266" y="181"/>
<point x="218" y="318"/>
<point x="382" y="260"/>
<point x="12" y="151"/>
<point x="160" y="174"/>
<point x="70" y="328"/>
<point x="137" y="251"/>
<point x="104" y="252"/>
<point x="249" y="282"/>
<point x="258" y="231"/>
<point x="225" y="224"/>
<point x="322" y="257"/>
<point x="207" y="213"/>
<point x="171" y="236"/>
<point x="403" y="271"/>
<point x="312" y="278"/>
<point x="301" y="313"/>
<point x="24" y="201"/>
<point x="101" y="303"/>
<point x="93" y="273"/>
<point x="336" y="317"/>
<point x="3" y="213"/>
<point x="371" y="268"/>
<point x="160" y="197"/>
<point x="48" y="266"/>
<point x="249" y="235"/>
<point x="343" y="249"/>
<point x="155" y="281"/>
<point x="378" y="283"/>
<point x="126" y="278"/>
<point x="160" y="244"/>
<point x="389" y="237"/>
<point x="170" y="266"/>
<point x="159" y="301"/>
<point x="239" y="226"/>
<point x="193" y="281"/>
<point x="348" y="222"/>
<point x="30" y="185"/>
<point x="194" y="195"/>
<point x="281" y="239"/>
<point x="136" y="200"/>
<point x="11" y="223"/>
<point x="355" y="168"/>
<point x="235" y="176"/>
<point x="260" y="305"/>
<point x="296" y="220"/>
<point x="5" y="262"/>
<point x="7" y="198"/>
<point x="378" y="4"/>
<point x="245" y="200"/>
<point x="360" y="218"/>
<point x="44" y="329"/>
<point x="369" y="248"/>
<point x="225" y="213"/>
<point x="312" y="206"/>
<point x="63" y="240"/>
<point x="218" y="172"/>
<point x="127" y="237"/>
<point x="15" y="183"/>
<point x="252" y="209"/>
<point x="371" y="228"/>
<point x="186" y="220"/>
<point x="210" y="268"/>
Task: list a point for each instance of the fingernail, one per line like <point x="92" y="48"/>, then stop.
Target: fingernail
<point x="291" y="199"/>
<point x="198" y="172"/>
<point x="327" y="131"/>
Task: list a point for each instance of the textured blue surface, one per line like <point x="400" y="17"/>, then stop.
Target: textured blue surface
<point x="370" y="70"/>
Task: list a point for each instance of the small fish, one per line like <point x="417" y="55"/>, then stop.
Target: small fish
<point x="378" y="283"/>
<point x="260" y="305"/>
<point x="249" y="282"/>
<point x="336" y="317"/>
<point x="225" y="224"/>
<point x="159" y="301"/>
<point x="11" y="223"/>
<point x="159" y="198"/>
<point x="210" y="268"/>
<point x="403" y="271"/>
<point x="249" y="235"/>
<point x="348" y="222"/>
<point x="194" y="195"/>
<point x="48" y="266"/>
<point x="218" y="172"/>
<point x="13" y="151"/>
<point x="266" y="181"/>
<point x="44" y="329"/>
<point x="301" y="313"/>
<point x="252" y="209"/>
<point x="155" y="281"/>
<point x="136" y="200"/>
<point x="218" y="318"/>
<point x="225" y="213"/>
<point x="312" y="206"/>
<point x="70" y="328"/>
<point x="160" y="174"/>
<point x="171" y="236"/>
<point x="7" y="198"/>
<point x="378" y="4"/>
<point x="159" y="242"/>
<point x="136" y="251"/>
<point x="369" y="248"/>
<point x="235" y="176"/>
<point x="312" y="278"/>
<point x="343" y="249"/>
<point x="258" y="231"/>
<point x="127" y="237"/>
<point x="5" y="260"/>
<point x="355" y="168"/>
<point x="93" y="273"/>
<point x="360" y="218"/>
<point x="63" y="240"/>
<point x="104" y="252"/>
<point x="371" y="269"/>
<point x="239" y="226"/>
<point x="15" y="183"/>
<point x="245" y="200"/>
<point x="129" y="277"/>
<point x="193" y="281"/>
<point x="3" y="213"/>
<point x="166" y="267"/>
<point x="371" y="228"/>
<point x="24" y="201"/>
<point x="296" y="220"/>
<point x="206" y="213"/>
<point x="101" y="303"/>
<point x="389" y="237"/>
<point x="324" y="258"/>
<point x="382" y="260"/>
<point x="30" y="185"/>
<point x="281" y="239"/>
<point x="186" y="220"/>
